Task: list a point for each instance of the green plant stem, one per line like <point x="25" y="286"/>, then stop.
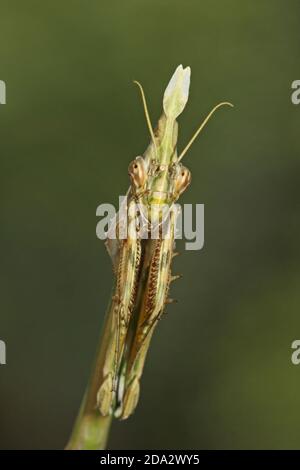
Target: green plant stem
<point x="91" y="429"/>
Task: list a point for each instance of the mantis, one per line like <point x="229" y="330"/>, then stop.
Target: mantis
<point x="142" y="259"/>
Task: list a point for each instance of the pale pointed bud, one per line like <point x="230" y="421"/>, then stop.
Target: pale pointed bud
<point x="177" y="92"/>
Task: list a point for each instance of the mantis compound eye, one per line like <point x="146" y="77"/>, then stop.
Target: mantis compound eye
<point x="182" y="180"/>
<point x="138" y="172"/>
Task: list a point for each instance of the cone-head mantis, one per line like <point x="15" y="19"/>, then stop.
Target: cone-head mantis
<point x="142" y="263"/>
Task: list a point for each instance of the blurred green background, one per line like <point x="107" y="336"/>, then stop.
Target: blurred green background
<point x="219" y="373"/>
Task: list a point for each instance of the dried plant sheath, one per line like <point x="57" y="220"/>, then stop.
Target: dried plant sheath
<point x="141" y="264"/>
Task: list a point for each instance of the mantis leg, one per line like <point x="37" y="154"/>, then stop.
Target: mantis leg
<point x="152" y="308"/>
<point x="120" y="312"/>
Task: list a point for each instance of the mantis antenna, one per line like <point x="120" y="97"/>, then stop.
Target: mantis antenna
<point x="147" y="114"/>
<point x="225" y="103"/>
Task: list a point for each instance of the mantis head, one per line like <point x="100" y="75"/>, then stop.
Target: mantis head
<point x="158" y="177"/>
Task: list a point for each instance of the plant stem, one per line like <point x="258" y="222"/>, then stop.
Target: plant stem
<point x="91" y="429"/>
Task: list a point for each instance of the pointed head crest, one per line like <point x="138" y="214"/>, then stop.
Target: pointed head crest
<point x="177" y="92"/>
<point x="174" y="101"/>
